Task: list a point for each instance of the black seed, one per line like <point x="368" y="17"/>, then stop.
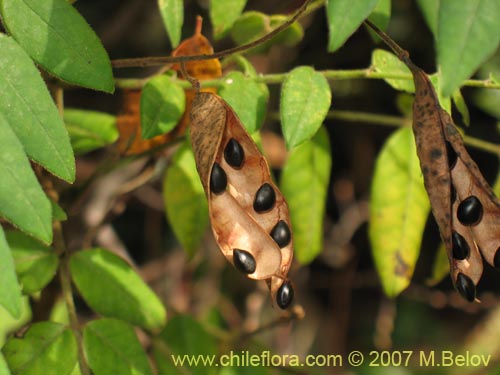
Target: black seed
<point x="285" y="295"/>
<point x="461" y="249"/>
<point x="244" y="261"/>
<point x="234" y="154"/>
<point x="452" y="155"/>
<point x="264" y="198"/>
<point x="466" y="287"/>
<point x="470" y="211"/>
<point x="218" y="179"/>
<point x="496" y="259"/>
<point x="281" y="234"/>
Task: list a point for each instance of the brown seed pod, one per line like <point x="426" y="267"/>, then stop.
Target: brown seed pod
<point x="463" y="204"/>
<point x="248" y="213"/>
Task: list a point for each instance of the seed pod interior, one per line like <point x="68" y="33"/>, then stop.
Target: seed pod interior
<point x="219" y="139"/>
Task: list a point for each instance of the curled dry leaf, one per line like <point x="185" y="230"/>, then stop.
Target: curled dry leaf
<point x="248" y="213"/>
<point x="464" y="205"/>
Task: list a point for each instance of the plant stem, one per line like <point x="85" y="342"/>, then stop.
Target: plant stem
<point x="331" y="75"/>
<point x="162" y="60"/>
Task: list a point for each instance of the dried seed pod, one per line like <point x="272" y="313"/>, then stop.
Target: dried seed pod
<point x="461" y="199"/>
<point x="246" y="212"/>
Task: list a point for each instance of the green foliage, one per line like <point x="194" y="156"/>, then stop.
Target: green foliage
<point x="187" y="208"/>
<point x="48" y="45"/>
<point x="172" y="14"/>
<point x="36" y="264"/>
<point x="52" y="32"/>
<point x="344" y="17"/>
<point x="305" y="100"/>
<point x="112" y="288"/>
<point x="162" y="105"/>
<point x="10" y="293"/>
<point x="304" y="183"/>
<point x="398" y="212"/>
<point x="112" y="347"/>
<point x="183" y="335"/>
<point x="468" y="33"/>
<point x="223" y="14"/>
<point x="45" y="345"/>
<point x="31" y="114"/>
<point x="89" y="130"/>
<point x="247" y="98"/>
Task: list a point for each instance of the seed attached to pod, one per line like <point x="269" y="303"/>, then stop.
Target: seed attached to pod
<point x="461" y="249"/>
<point x="452" y="155"/>
<point x="284" y="296"/>
<point x="218" y="179"/>
<point x="470" y="211"/>
<point x="281" y="234"/>
<point x="264" y="198"/>
<point x="466" y="287"/>
<point x="234" y="154"/>
<point x="496" y="259"/>
<point x="244" y="261"/>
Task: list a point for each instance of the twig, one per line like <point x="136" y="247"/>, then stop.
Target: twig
<point x="161" y="60"/>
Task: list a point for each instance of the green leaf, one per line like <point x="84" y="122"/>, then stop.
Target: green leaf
<point x="46" y="348"/>
<point x="344" y="17"/>
<point x="440" y="268"/>
<point x="398" y="212"/>
<point x="28" y="107"/>
<point x="8" y="324"/>
<point x="58" y="38"/>
<point x="184" y="335"/>
<point x="22" y="200"/>
<point x="386" y="62"/>
<point x="36" y="264"/>
<point x="380" y="16"/>
<point x="10" y="292"/>
<point x="304" y="183"/>
<point x="461" y="106"/>
<point x="253" y="25"/>
<point x="162" y="106"/>
<point x="172" y="14"/>
<point x="58" y="213"/>
<point x="186" y="207"/>
<point x="430" y="11"/>
<point x="468" y="33"/>
<point x="247" y="98"/>
<point x="304" y="104"/>
<point x="112" y="347"/>
<point x="4" y="369"/>
<point x="90" y="130"/>
<point x="112" y="288"/>
<point x="223" y="14"/>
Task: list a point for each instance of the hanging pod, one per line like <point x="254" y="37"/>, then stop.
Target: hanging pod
<point x="463" y="204"/>
<point x="248" y="213"/>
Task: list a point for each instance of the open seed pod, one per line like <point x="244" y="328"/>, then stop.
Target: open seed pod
<point x="463" y="204"/>
<point x="248" y="213"/>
